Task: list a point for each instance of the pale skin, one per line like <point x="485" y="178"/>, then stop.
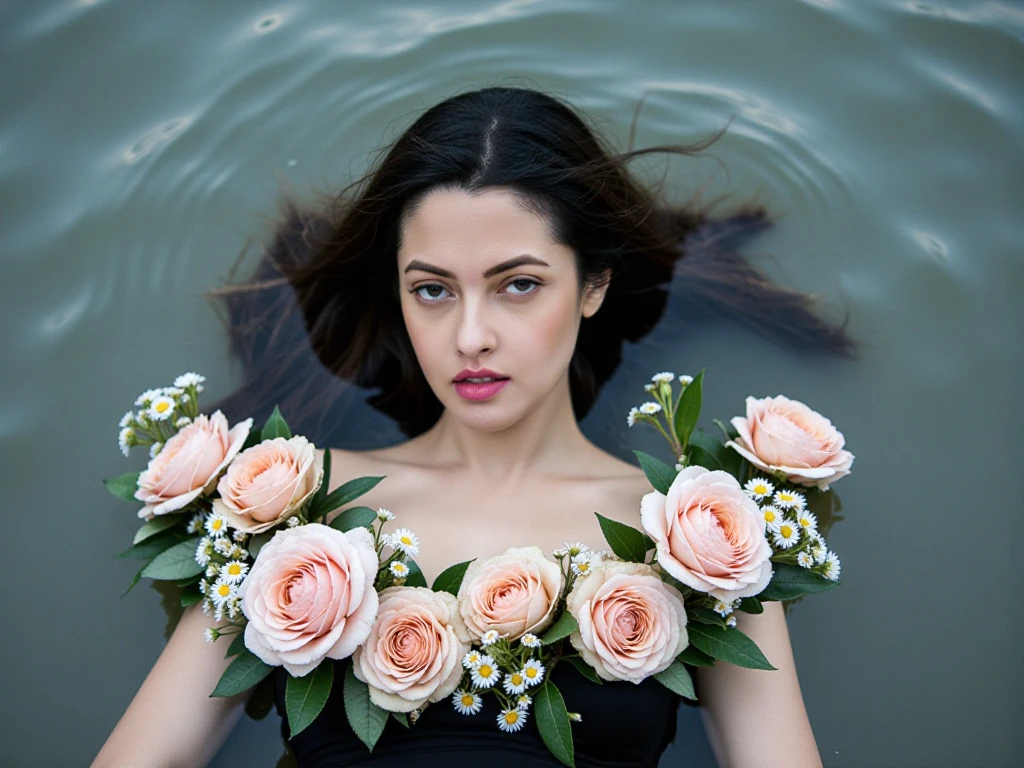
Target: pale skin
<point x="512" y="470"/>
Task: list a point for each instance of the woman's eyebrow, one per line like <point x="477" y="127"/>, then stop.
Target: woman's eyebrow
<point x="497" y="269"/>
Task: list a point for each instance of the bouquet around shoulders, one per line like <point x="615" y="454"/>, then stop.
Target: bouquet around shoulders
<point x="241" y="520"/>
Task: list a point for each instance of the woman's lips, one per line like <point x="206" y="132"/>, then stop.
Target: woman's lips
<point x="471" y="391"/>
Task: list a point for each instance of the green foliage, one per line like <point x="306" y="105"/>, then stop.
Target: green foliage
<point x="688" y="409"/>
<point x="175" y="562"/>
<point x="354" y="517"/>
<point x="729" y="645"/>
<point x="155" y="526"/>
<point x="342" y="495"/>
<point x="275" y="427"/>
<point x="564" y="627"/>
<point x="677" y="679"/>
<point x="695" y="657"/>
<point x="124" y="486"/>
<point x="790" y="581"/>
<point x="304" y="697"/>
<point x="242" y="674"/>
<point x="626" y="542"/>
<point x="585" y="669"/>
<point x="153" y="545"/>
<point x="365" y="717"/>
<point x="415" y="577"/>
<point x="553" y="722"/>
<point x="659" y="474"/>
<point x="450" y="579"/>
<point x="237" y="644"/>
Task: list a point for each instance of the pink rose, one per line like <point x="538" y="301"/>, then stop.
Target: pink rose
<point x="631" y="623"/>
<point x="189" y="463"/>
<point x="268" y="483"/>
<point x="414" y="652"/>
<point x="310" y="595"/>
<point x="783" y="435"/>
<point x="709" y="534"/>
<point x="514" y="593"/>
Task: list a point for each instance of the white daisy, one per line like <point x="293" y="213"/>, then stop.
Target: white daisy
<point x="234" y="607"/>
<point x="819" y="552"/>
<point x="204" y="550"/>
<point x="530" y="640"/>
<point x="511" y="720"/>
<point x="489" y="637"/>
<point x="649" y="387"/>
<point x="223" y="546"/>
<point x="559" y="553"/>
<point x="233" y="572"/>
<point x="292" y="522"/>
<point x="161" y="408"/>
<point x="787" y="535"/>
<point x="576" y="547"/>
<point x="384" y="515"/>
<point x="126" y="419"/>
<point x="660" y="377"/>
<point x="405" y="541"/>
<point x="466" y="702"/>
<point x="126" y="439"/>
<point x="238" y="553"/>
<point x="679" y="467"/>
<point x="189" y="379"/>
<point x="723" y="608"/>
<point x="486" y="673"/>
<point x="399" y="570"/>
<point x="807" y="521"/>
<point x="631" y="416"/>
<point x="212" y="570"/>
<point x="684" y="379"/>
<point x="204" y="585"/>
<point x="804" y="559"/>
<point x="196" y="523"/>
<point x="523" y="701"/>
<point x="581" y="564"/>
<point x="239" y="536"/>
<point x="832" y="567"/>
<point x="514" y="683"/>
<point x="155" y="448"/>
<point x="216" y="524"/>
<point x="182" y="421"/>
<point x="206" y="606"/>
<point x="472" y="659"/>
<point x="533" y="671"/>
<point x="772" y="518"/>
<point x="147" y="397"/>
<point x="210" y="634"/>
<point x="787" y="499"/>
<point x="650" y="408"/>
<point x="758" y="488"/>
<point x="221" y="592"/>
<point x="731" y="621"/>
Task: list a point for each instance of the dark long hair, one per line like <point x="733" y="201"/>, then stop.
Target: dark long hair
<point x="321" y="311"/>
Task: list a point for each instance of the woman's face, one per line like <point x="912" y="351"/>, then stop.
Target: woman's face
<point x="483" y="286"/>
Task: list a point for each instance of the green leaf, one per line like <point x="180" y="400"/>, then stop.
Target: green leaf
<point x="365" y="717"/>
<point x="354" y="517"/>
<point x="729" y="433"/>
<point x="700" y="457"/>
<point x="705" y="616"/>
<point x="176" y="562"/>
<point x="729" y="645"/>
<point x="553" y="722"/>
<point x="190" y="580"/>
<point x="124" y="486"/>
<point x="751" y="605"/>
<point x="450" y="579"/>
<point x="585" y="669"/>
<point x="237" y="644"/>
<point x="415" y="577"/>
<point x="677" y="679"/>
<point x="275" y="427"/>
<point x="155" y="526"/>
<point x="154" y="545"/>
<point x="658" y="472"/>
<point x="791" y="581"/>
<point x="189" y="597"/>
<point x="135" y="580"/>
<point x="688" y="409"/>
<point x="258" y="541"/>
<point x="626" y="542"/>
<point x="400" y="717"/>
<point x="321" y="493"/>
<point x="304" y="697"/>
<point x="253" y="438"/>
<point x="725" y="458"/>
<point x="241" y="675"/>
<point x="343" y="494"/>
<point x="563" y="627"/>
<point x="695" y="657"/>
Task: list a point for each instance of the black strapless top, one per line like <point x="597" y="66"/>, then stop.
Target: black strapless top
<point x="624" y="725"/>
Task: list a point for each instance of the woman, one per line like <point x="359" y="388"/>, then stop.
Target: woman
<point x="483" y="277"/>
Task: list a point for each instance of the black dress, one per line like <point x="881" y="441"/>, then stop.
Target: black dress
<point x="624" y="725"/>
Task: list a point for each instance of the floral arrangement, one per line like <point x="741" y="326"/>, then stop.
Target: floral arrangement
<point x="237" y="517"/>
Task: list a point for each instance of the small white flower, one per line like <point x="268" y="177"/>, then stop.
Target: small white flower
<point x="524" y="701"/>
<point x="399" y="570"/>
<point x="238" y="553"/>
<point x="147" y="397"/>
<point x="807" y="521"/>
<point x="292" y="522"/>
<point x="679" y="467"/>
<point x="182" y="421"/>
<point x="819" y="552"/>
<point x="210" y="634"/>
<point x="384" y="515"/>
<point x="239" y="536"/>
<point x="832" y="567"/>
<point x="684" y="379"/>
<point x="472" y="659"/>
<point x="787" y="499"/>
<point x="204" y="550"/>
<point x="804" y="559"/>
<point x="161" y="408"/>
<point x="660" y="377"/>
<point x="222" y="546"/>
<point x="758" y="488"/>
<point x="216" y="524"/>
<point x="466" y="702"/>
<point x="649" y="387"/>
<point x="155" y="448"/>
<point x="233" y="572"/>
<point x="196" y="524"/>
<point x="125" y="439"/>
<point x="533" y="671"/>
<point x="515" y="682"/>
<point x="787" y="535"/>
<point x="581" y="564"/>
<point x="126" y="419"/>
<point x="211" y="571"/>
<point x="204" y="585"/>
<point x="576" y="547"/>
<point x="530" y="640"/>
<point x="221" y="592"/>
<point x="405" y="541"/>
<point x="189" y="379"/>
<point x="559" y="553"/>
<point x="486" y="673"/>
<point x="206" y="606"/>
<point x="631" y="416"/>
<point x="234" y="607"/>
<point x="511" y="720"/>
<point x="489" y="637"/>
<point x="773" y="518"/>
<point x="650" y="408"/>
<point x="723" y="608"/>
<point x="575" y="717"/>
<point x="731" y="621"/>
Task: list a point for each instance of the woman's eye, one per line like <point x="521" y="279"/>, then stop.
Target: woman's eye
<point x="520" y="281"/>
<point x="434" y="288"/>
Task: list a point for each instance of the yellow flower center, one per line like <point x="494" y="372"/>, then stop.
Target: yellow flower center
<point x="805" y="522"/>
<point x="760" y="489"/>
<point x="217" y="525"/>
<point x="786" y="531"/>
<point x="223" y="590"/>
<point x="162" y="406"/>
<point x="769" y="516"/>
<point x="486" y="670"/>
<point x="786" y="496"/>
<point x="583" y="567"/>
<point x="234" y="569"/>
<point x="406" y="540"/>
<point x="531" y="673"/>
<point x="467" y="700"/>
<point x="512" y="717"/>
<point x="517" y="679"/>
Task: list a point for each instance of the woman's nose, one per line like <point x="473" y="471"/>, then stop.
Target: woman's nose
<point x="474" y="333"/>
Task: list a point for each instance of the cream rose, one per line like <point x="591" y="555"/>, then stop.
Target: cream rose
<point x="189" y="464"/>
<point x="783" y="435"/>
<point x="268" y="483"/>
<point x="310" y="595"/>
<point x="414" y="652"/>
<point x="514" y="593"/>
<point x="631" y="623"/>
<point x="709" y="534"/>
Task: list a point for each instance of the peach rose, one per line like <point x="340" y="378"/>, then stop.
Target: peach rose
<point x="310" y="595"/>
<point x="709" y="534"/>
<point x="268" y="483"/>
<point x="414" y="652"/>
<point x="514" y="593"/>
<point x="631" y="623"/>
<point x="783" y="435"/>
<point x="189" y="464"/>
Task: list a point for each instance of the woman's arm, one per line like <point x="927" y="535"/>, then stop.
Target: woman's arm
<point x="172" y="721"/>
<point x="757" y="717"/>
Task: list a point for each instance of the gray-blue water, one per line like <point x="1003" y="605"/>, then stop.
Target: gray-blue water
<point x="142" y="143"/>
